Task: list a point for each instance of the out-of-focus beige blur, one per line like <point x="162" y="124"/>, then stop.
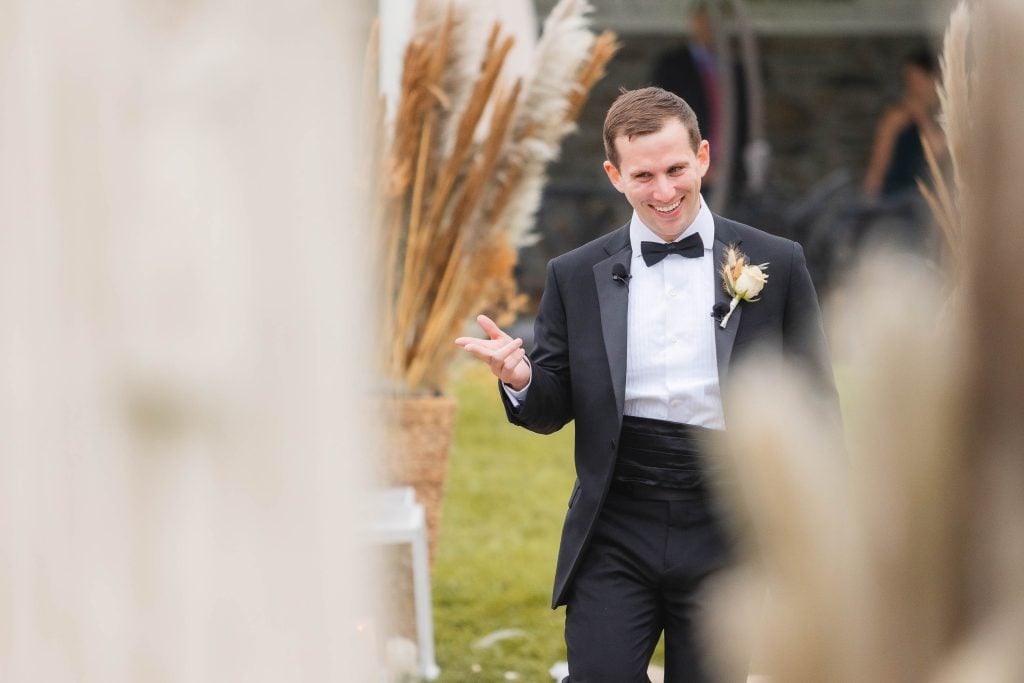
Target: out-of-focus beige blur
<point x="182" y="307"/>
<point x="899" y="557"/>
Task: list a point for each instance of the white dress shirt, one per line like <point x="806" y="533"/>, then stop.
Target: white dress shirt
<point x="671" y="362"/>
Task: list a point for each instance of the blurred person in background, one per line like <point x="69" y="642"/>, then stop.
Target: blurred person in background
<point x="897" y="155"/>
<point x="693" y="71"/>
<point x="890" y="208"/>
<point x="895" y="210"/>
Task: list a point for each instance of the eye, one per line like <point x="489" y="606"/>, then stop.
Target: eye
<point x="677" y="169"/>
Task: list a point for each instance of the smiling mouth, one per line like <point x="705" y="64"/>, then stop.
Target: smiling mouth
<point x="667" y="209"/>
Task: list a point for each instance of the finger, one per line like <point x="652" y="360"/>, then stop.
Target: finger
<point x="479" y="351"/>
<point x="491" y="328"/>
<point x="462" y="341"/>
<point x="499" y="356"/>
<point x="514" y="359"/>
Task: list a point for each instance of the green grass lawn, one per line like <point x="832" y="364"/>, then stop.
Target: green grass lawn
<point x="506" y="497"/>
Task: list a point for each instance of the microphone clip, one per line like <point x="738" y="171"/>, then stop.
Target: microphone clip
<point x="620" y="275"/>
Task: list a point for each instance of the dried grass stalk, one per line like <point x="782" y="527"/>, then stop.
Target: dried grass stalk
<point x="956" y="124"/>
<point x="605" y="47"/>
<point x="942" y="205"/>
<point x="447" y="309"/>
<point x="954" y="90"/>
<point x="858" y="554"/>
<point x="567" y="57"/>
<point x="463" y="173"/>
<point x="437" y="236"/>
<point x="911" y="566"/>
<point x="995" y="287"/>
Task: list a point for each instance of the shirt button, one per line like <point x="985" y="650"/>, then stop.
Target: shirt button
<point x="672" y="340"/>
<point x="675" y="403"/>
<point x="672" y="293"/>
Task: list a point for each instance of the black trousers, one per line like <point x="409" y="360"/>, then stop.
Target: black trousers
<point x="643" y="574"/>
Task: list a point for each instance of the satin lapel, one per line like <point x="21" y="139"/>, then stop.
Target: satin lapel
<point x="613" y="299"/>
<point x="724" y="338"/>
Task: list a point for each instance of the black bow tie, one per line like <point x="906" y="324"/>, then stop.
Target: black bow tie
<point x="690" y="247"/>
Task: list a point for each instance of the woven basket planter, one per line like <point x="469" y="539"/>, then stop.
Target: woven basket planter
<point x="420" y="438"/>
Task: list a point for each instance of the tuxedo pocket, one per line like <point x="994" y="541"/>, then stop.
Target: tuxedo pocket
<point x="575" y="493"/>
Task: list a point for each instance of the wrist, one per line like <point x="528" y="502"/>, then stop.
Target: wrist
<point x="521" y="378"/>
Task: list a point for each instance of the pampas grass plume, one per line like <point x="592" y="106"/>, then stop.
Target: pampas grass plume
<point x="910" y="566"/>
<point x="464" y="169"/>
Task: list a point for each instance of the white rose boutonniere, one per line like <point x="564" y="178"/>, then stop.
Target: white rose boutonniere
<point x="741" y="280"/>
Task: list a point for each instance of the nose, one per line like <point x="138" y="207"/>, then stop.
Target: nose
<point x="663" y="189"/>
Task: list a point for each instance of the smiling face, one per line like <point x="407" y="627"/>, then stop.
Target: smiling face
<point x="660" y="174"/>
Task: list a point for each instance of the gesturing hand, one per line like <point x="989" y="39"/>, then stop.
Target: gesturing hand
<point x="503" y="354"/>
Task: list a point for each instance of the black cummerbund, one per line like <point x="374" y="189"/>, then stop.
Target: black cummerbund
<point x="667" y="455"/>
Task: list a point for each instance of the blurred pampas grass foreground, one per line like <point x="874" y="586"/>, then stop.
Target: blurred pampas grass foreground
<point x="898" y="557"/>
<point x="463" y="165"/>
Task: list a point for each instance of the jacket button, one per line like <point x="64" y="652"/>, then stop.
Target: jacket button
<point x="613" y="444"/>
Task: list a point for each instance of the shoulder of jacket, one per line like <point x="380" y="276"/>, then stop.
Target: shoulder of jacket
<point x="749" y="233"/>
<point x="595" y="250"/>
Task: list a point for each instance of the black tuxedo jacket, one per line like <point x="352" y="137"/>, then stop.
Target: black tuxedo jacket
<point x="579" y="358"/>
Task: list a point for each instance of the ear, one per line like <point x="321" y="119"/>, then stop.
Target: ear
<point x="703" y="157"/>
<point x="613" y="175"/>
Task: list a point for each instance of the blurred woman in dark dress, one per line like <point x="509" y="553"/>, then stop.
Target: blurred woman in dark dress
<point x="897" y="156"/>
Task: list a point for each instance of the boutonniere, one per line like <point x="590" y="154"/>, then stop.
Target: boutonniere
<point x="741" y="280"/>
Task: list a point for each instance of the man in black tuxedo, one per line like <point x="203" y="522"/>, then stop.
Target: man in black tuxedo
<point x="629" y="343"/>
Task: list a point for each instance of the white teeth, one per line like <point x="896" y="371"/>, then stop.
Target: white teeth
<point x="668" y="209"/>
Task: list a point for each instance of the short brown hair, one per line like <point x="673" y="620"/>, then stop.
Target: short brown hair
<point x="643" y="112"/>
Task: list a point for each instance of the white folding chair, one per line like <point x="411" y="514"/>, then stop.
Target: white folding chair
<point x="395" y="518"/>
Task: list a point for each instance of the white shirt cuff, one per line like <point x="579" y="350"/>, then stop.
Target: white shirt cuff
<point x="516" y="398"/>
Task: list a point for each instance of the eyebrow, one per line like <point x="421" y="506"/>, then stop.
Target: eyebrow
<point x="674" y="164"/>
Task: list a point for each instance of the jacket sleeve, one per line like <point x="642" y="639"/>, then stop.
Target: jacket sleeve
<point x="804" y="334"/>
<point x="548" y="403"/>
